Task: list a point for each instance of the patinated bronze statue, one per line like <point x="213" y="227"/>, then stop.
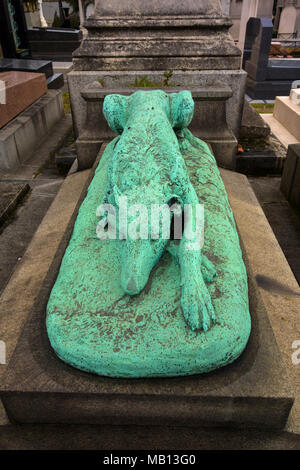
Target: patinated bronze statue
<point x="110" y="311"/>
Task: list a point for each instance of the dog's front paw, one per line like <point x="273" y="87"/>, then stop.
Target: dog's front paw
<point x="196" y="304"/>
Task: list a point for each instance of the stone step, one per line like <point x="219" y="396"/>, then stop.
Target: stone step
<point x="288" y="114"/>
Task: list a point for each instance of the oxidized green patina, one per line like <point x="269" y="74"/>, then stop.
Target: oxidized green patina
<point x="110" y="312"/>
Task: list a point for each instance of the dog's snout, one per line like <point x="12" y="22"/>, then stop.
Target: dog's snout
<point x="131" y="287"/>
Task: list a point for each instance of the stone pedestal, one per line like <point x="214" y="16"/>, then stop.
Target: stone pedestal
<point x="144" y="43"/>
<point x="21" y="90"/>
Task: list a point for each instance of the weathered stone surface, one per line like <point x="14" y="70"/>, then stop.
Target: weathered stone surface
<point x="137" y="8"/>
<point x="21" y="90"/>
<point x="279" y="131"/>
<point x="277" y="284"/>
<point x="30" y="271"/>
<point x="9" y="157"/>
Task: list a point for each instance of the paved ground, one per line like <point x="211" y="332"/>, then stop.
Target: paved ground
<point x="11" y="193"/>
<point x="44" y="182"/>
<point x="284" y="219"/>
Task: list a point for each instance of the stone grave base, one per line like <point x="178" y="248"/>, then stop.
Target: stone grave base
<point x="252" y="392"/>
<point x="11" y="193"/>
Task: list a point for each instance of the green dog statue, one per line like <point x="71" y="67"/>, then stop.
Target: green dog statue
<point x="134" y="298"/>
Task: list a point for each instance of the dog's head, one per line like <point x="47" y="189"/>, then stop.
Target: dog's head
<point x="146" y="121"/>
<point x="177" y="107"/>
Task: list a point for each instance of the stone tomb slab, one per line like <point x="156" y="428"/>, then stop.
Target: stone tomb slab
<point x="252" y="392"/>
<point x="21" y="90"/>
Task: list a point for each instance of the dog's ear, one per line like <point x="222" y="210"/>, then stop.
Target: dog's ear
<point x="115" y="112"/>
<point x="182" y="109"/>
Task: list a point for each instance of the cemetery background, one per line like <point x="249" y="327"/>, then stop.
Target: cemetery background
<point x="37" y="181"/>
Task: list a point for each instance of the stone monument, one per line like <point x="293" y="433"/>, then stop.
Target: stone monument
<point x="142" y="43"/>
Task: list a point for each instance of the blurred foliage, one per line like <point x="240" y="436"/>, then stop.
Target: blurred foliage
<point x="66" y="102"/>
<point x="263" y="108"/>
<point x="73" y="4"/>
<point x="75" y="21"/>
<point x="56" y="21"/>
<point x="144" y="82"/>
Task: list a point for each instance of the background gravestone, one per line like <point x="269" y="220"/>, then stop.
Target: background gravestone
<point x="267" y="78"/>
